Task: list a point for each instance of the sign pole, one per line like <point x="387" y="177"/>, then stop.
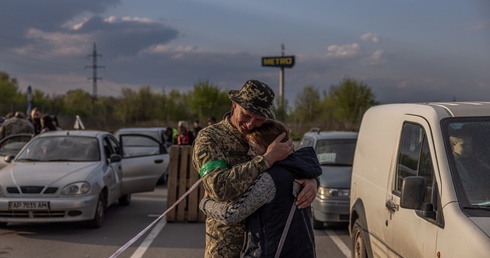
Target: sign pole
<point x="281" y="83"/>
<point x="281" y="62"/>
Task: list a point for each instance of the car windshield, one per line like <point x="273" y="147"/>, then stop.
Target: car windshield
<point x="468" y="148"/>
<point x="13" y="145"/>
<point x="61" y="148"/>
<point x="338" y="152"/>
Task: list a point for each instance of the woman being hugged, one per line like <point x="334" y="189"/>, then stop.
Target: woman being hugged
<point x="267" y="203"/>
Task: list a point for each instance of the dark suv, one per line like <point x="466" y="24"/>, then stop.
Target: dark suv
<point x="335" y="151"/>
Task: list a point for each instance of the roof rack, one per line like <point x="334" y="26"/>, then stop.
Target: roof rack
<point x="315" y="129"/>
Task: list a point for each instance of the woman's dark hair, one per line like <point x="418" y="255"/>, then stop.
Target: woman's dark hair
<point x="48" y="122"/>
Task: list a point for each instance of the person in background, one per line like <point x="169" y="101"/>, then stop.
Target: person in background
<point x="35" y="119"/>
<point x="211" y="120"/>
<point x="56" y="123"/>
<point x="267" y="203"/>
<point x="169" y="136"/>
<point x="197" y="127"/>
<point x="47" y="124"/>
<point x="16" y="125"/>
<point x="220" y="157"/>
<point x="184" y="136"/>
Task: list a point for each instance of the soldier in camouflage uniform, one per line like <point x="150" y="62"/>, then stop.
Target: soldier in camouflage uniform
<point x="220" y="156"/>
<point x="16" y="125"/>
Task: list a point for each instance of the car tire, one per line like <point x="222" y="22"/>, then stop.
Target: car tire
<point x="3" y="224"/>
<point x="358" y="243"/>
<point x="317" y="224"/>
<point x="99" y="216"/>
<point x="125" y="200"/>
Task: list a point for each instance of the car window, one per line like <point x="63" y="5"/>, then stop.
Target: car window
<point x="141" y="145"/>
<point x="61" y="148"/>
<point x="468" y="149"/>
<point x="12" y="145"/>
<point x="414" y="159"/>
<point x="306" y="142"/>
<point x="108" y="148"/>
<point x="336" y="151"/>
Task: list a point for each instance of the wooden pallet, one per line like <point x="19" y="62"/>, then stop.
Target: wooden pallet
<point x="181" y="177"/>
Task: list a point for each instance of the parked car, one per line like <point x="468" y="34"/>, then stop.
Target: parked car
<point x="335" y="152"/>
<point x="11" y="145"/>
<point x="135" y="145"/>
<point x="414" y="193"/>
<point x="67" y="176"/>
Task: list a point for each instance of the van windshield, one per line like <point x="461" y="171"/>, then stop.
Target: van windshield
<point x="467" y="142"/>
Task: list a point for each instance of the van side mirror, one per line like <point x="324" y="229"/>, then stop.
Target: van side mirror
<point x="412" y="192"/>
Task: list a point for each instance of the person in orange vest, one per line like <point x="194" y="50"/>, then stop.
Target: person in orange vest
<point x="184" y="136"/>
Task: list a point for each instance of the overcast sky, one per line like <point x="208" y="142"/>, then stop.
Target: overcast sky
<point x="406" y="51"/>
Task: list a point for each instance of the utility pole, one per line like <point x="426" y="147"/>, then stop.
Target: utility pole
<point x="94" y="77"/>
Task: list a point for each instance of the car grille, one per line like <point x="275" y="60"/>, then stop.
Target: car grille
<point x="31" y="190"/>
<point x="32" y="214"/>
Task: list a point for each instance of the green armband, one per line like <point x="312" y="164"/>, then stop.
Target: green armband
<point x="211" y="165"/>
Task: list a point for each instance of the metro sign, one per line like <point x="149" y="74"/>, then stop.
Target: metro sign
<point x="278" y="61"/>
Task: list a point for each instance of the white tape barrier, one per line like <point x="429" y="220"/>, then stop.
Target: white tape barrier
<point x="130" y="242"/>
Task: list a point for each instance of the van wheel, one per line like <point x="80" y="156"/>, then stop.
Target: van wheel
<point x="99" y="216"/>
<point x="358" y="245"/>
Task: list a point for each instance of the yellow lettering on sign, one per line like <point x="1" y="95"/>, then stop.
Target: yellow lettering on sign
<point x="269" y="61"/>
<point x="279" y="61"/>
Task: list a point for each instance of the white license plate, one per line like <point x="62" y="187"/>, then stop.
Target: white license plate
<point x="38" y="206"/>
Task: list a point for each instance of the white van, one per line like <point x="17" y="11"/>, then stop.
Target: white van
<point x="421" y="181"/>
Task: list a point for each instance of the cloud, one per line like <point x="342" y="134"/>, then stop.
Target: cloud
<point x="370" y="37"/>
<point x="377" y="57"/>
<point x="128" y="35"/>
<point x="343" y="51"/>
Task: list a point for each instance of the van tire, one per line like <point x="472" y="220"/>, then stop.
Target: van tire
<point x="358" y="243"/>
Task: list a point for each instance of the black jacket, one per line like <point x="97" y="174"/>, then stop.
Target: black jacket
<point x="266" y="225"/>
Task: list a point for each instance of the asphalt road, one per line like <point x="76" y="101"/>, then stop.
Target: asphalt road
<point x="123" y="224"/>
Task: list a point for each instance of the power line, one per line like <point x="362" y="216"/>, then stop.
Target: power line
<point x="94" y="67"/>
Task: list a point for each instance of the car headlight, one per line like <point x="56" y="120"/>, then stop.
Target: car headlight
<point x="333" y="192"/>
<point x="76" y="188"/>
<point x="1" y="191"/>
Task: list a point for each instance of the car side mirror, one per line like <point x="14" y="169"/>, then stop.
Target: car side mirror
<point x="412" y="192"/>
<point x="115" y="158"/>
<point x="9" y="158"/>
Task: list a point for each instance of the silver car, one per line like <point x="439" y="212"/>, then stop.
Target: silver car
<point x="11" y="145"/>
<point x="335" y="152"/>
<point x="65" y="176"/>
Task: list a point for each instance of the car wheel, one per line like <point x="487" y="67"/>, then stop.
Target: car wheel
<point x="317" y="224"/>
<point x="358" y="245"/>
<point x="3" y="224"/>
<point x="125" y="200"/>
<point x="99" y="216"/>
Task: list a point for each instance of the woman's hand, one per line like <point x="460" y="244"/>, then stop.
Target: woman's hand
<point x="308" y="194"/>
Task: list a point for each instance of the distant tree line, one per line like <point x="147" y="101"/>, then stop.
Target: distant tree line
<point x="338" y="108"/>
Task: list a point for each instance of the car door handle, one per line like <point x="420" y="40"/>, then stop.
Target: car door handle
<point x="391" y="205"/>
<point x="158" y="161"/>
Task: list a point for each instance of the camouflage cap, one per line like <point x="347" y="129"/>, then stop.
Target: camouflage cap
<point x="255" y="97"/>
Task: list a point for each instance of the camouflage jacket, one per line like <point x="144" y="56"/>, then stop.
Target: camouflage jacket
<point x="223" y="143"/>
<point x="15" y="125"/>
